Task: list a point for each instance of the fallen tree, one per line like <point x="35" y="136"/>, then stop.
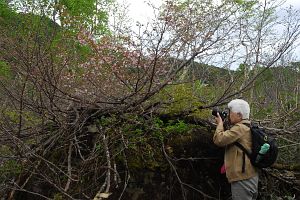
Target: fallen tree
<point x="134" y="157"/>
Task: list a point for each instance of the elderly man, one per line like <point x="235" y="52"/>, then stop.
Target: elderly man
<point x="240" y="173"/>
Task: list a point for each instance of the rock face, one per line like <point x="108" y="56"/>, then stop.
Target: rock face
<point x="190" y="170"/>
<point x="193" y="174"/>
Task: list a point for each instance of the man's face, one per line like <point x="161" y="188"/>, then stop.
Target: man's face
<point x="234" y="117"/>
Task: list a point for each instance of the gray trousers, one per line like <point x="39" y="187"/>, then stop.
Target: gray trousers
<point x="245" y="189"/>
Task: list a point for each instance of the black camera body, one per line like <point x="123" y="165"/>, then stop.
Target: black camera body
<point x="223" y="114"/>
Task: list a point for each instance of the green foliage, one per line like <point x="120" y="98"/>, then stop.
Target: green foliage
<point x="239" y="1"/>
<point x="72" y="15"/>
<point x="178" y="127"/>
<point x="242" y="68"/>
<point x="158" y="123"/>
<point x="10" y="166"/>
<point x="5" y="71"/>
<point x="58" y="197"/>
<point x="107" y="121"/>
<point x="5" y="11"/>
<point x="86" y="13"/>
<point x="275" y="92"/>
<point x="261" y="113"/>
<point x="143" y="143"/>
<point x="98" y="147"/>
<point x="84" y="51"/>
<point x="29" y="118"/>
<point x="79" y="7"/>
<point x="246" y="4"/>
<point x="10" y="169"/>
<point x="292" y="197"/>
<point x="288" y="153"/>
<point x="145" y="137"/>
<point x="12" y="115"/>
<point x="5" y="151"/>
<point x="181" y="97"/>
<point x="184" y="98"/>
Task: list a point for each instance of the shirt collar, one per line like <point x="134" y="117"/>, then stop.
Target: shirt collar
<point x="246" y="121"/>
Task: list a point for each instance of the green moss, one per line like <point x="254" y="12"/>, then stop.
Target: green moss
<point x="184" y="98"/>
<point x="58" y="197"/>
<point x="29" y="118"/>
<point x="5" y="70"/>
<point x="147" y="157"/>
<point x="5" y="151"/>
<point x="106" y="121"/>
<point x="9" y="169"/>
<point x="176" y="127"/>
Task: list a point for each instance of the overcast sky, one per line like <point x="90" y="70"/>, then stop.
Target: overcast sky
<point x="140" y="11"/>
<point x="295" y="3"/>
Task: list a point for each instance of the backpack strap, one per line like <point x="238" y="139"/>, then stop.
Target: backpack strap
<point x="244" y="163"/>
<point x="239" y="145"/>
<point x="245" y="151"/>
<point x="242" y="148"/>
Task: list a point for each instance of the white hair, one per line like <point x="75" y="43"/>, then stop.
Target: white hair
<point x="240" y="106"/>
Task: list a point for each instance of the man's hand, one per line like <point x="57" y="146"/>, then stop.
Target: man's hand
<point x="219" y="120"/>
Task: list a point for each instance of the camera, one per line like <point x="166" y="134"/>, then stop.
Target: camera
<point x="223" y="114"/>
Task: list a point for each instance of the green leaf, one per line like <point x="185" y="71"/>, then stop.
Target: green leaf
<point x="240" y="2"/>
